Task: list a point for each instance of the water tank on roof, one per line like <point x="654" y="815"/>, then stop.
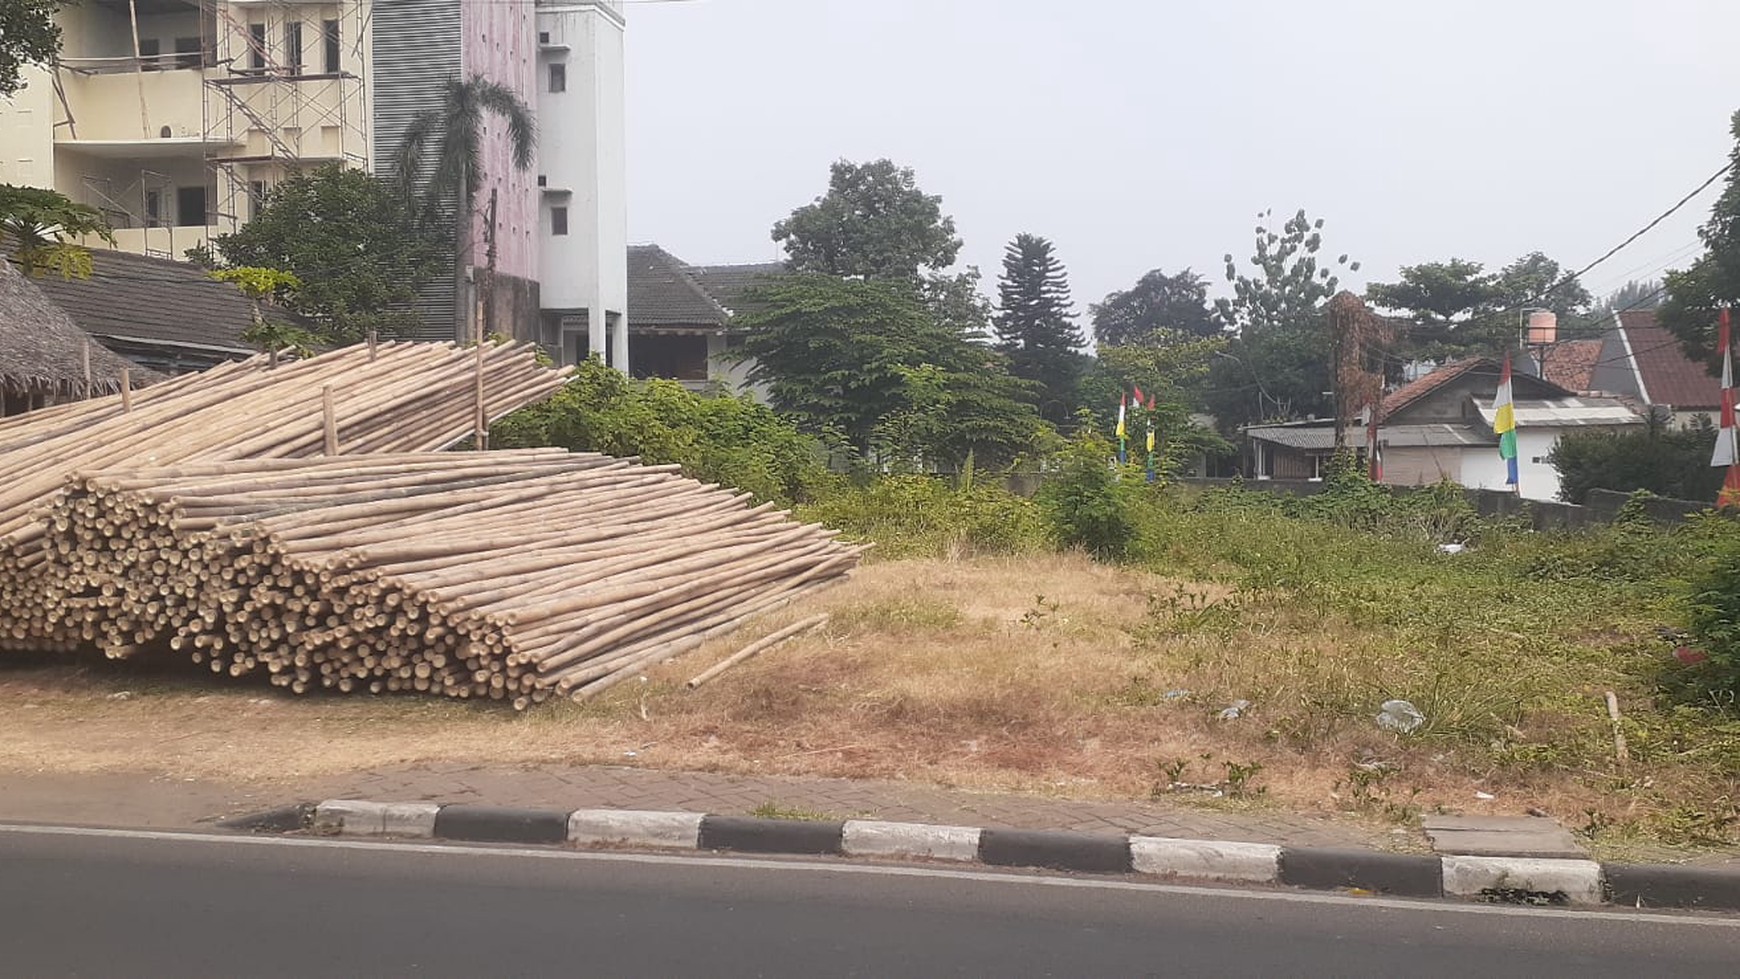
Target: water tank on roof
<point x="1543" y="328"/>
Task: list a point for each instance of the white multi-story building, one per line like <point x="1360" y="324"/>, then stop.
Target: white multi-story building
<point x="175" y="117"/>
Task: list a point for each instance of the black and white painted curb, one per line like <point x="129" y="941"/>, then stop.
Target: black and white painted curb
<point x="1510" y="879"/>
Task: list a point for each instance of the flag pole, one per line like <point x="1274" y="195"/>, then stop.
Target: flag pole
<point x="1727" y="450"/>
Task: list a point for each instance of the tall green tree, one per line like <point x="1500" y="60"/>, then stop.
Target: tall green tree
<point x="353" y="242"/>
<point x="41" y="227"/>
<point x="866" y="366"/>
<point x="439" y="163"/>
<point x="1036" y="326"/>
<point x="1697" y="293"/>
<point x="1288" y="284"/>
<point x="873" y="223"/>
<point x="1277" y="366"/>
<point x="1159" y="308"/>
<point x="28" y="36"/>
<point x="1459" y="309"/>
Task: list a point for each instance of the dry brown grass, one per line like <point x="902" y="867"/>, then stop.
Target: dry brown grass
<point x="1038" y="674"/>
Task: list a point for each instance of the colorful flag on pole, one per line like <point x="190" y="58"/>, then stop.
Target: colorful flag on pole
<point x="1139" y="398"/>
<point x="1123" y="431"/>
<point x="1727" y="442"/>
<point x="1504" y="424"/>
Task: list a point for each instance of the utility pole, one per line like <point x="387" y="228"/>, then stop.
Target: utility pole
<point x="485" y="289"/>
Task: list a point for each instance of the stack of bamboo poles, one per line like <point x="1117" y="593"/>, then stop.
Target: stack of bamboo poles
<point x="507" y="575"/>
<point x="364" y="399"/>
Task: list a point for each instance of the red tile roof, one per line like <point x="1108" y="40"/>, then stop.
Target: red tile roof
<point x="1571" y="364"/>
<point x="1669" y="376"/>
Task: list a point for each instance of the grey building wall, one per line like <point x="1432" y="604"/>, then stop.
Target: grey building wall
<point x="416" y="49"/>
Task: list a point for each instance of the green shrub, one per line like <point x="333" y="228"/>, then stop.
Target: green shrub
<point x="1714" y="615"/>
<point x="1085" y="502"/>
<point x="922" y="516"/>
<point x="732" y="441"/>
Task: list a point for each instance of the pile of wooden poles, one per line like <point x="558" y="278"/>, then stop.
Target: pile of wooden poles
<point x="215" y="518"/>
<point x="507" y="575"/>
<point x="393" y="397"/>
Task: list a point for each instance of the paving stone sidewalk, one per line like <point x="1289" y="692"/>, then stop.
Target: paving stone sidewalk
<point x="122" y="800"/>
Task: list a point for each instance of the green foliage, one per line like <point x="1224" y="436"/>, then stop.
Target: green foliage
<point x="874" y="222"/>
<point x="1288" y="285"/>
<point x="1174" y="375"/>
<point x="950" y="416"/>
<point x="42" y="225"/>
<point x="352" y="242"/>
<point x="1459" y="309"/>
<point x="1035" y="324"/>
<point x="260" y="285"/>
<point x="1158" y="310"/>
<point x="1695" y="294"/>
<point x="731" y="441"/>
<point x="864" y="363"/>
<point x="28" y="36"/>
<point x="922" y="516"/>
<point x="1714" y="616"/>
<point x="1085" y="503"/>
<point x="1674" y="463"/>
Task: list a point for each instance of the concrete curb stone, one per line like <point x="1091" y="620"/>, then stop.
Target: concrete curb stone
<point x="492" y="824"/>
<point x="1089" y="852"/>
<point x="1492" y="878"/>
<point x="1366" y="870"/>
<point x="751" y="835"/>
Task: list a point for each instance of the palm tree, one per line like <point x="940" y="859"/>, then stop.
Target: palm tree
<point x="454" y="132"/>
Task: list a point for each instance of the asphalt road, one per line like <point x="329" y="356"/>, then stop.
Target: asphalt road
<point x="106" y="903"/>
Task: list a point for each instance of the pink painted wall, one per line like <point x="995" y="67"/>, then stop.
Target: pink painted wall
<point x="499" y="41"/>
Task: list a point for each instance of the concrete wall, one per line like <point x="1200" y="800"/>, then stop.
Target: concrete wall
<point x="1422" y="465"/>
<point x="27" y="132"/>
<point x="497" y="41"/>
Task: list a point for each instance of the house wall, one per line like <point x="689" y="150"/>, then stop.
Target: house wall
<point x="1421" y="465"/>
<point x="27" y="132"/>
<point x="1482" y="468"/>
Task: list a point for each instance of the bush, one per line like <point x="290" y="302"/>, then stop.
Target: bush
<point x="732" y="441"/>
<point x="922" y="516"/>
<point x="1714" y="615"/>
<point x="1086" y="504"/>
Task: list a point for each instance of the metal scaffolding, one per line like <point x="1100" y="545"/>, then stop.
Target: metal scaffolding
<point x="285" y="91"/>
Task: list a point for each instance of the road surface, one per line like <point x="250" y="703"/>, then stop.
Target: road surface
<point x="113" y="903"/>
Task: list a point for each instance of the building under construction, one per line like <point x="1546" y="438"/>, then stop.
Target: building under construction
<point x="175" y="118"/>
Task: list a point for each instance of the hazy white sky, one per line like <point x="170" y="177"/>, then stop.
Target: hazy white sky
<point x="1147" y="133"/>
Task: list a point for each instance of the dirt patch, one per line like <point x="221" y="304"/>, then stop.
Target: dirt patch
<point x="1041" y="675"/>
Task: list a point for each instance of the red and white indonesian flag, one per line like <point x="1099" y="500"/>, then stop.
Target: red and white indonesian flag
<point x="1727" y="450"/>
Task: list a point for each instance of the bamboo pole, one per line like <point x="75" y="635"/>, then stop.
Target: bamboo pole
<point x="760" y="646"/>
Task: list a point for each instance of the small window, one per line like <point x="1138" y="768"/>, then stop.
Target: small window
<point x="163" y="133"/>
<point x="149" y="50"/>
<point x="190" y="207"/>
<point x="558" y="77"/>
<point x="187" y="52"/>
<point x="256" y="198"/>
<point x="257" y="47"/>
<point x="543" y="37"/>
<point x="558" y="220"/>
<point x="293" y="47"/>
<point x="329" y="37"/>
<point x="543" y="181"/>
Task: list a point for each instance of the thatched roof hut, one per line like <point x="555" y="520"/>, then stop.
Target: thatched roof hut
<point x="42" y="354"/>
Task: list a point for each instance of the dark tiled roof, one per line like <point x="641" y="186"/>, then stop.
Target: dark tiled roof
<point x="662" y="292"/>
<point x="1669" y="376"/>
<point x="1418" y="388"/>
<point x="42" y="350"/>
<point x="730" y="284"/>
<point x="154" y="300"/>
<point x="1571" y="364"/>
